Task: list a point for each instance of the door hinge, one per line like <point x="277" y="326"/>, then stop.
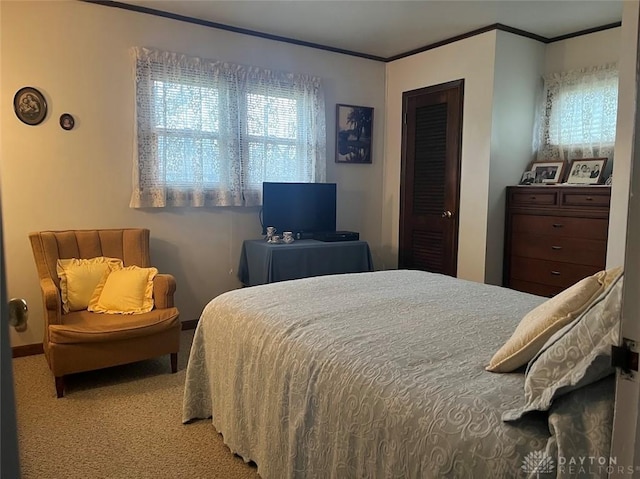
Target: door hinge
<point x="625" y="357"/>
<point x="404" y="118"/>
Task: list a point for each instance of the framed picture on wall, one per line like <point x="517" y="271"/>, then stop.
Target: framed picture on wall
<point x="30" y="106"/>
<point x="587" y="171"/>
<point x="547" y="172"/>
<point x="354" y="132"/>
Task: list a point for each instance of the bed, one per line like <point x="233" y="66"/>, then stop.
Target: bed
<point x="381" y="375"/>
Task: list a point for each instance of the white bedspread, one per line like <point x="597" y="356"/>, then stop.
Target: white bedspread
<point x="370" y="375"/>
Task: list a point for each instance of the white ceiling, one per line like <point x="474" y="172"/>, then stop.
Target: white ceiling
<point x="393" y="27"/>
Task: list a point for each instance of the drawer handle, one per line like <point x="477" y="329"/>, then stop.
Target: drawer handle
<point x="589" y="198"/>
<point x="532" y="198"/>
<point x="558" y="225"/>
<point x="555" y="273"/>
<point x="556" y="247"/>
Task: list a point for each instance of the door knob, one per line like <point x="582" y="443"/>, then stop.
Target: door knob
<point x="447" y="214"/>
<point x="18" y="314"/>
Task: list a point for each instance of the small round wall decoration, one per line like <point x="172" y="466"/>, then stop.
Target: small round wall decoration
<point x="30" y="106"/>
<point x="67" y="121"/>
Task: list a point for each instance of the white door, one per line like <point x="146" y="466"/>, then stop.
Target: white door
<point x="9" y="465"/>
<point x="625" y="447"/>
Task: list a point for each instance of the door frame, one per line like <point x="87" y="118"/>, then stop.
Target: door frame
<point x="625" y="434"/>
<point x="9" y="459"/>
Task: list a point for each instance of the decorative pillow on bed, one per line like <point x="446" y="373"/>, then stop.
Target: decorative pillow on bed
<point x="79" y="278"/>
<point x="575" y="356"/>
<point x="540" y="323"/>
<point x="124" y="291"/>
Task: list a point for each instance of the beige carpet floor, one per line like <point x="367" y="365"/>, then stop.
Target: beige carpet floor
<point x="121" y="422"/>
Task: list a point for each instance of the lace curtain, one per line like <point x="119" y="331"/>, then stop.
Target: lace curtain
<point x="208" y="133"/>
<point x="577" y="118"/>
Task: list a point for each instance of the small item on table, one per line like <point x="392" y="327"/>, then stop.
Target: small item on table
<point x="287" y="237"/>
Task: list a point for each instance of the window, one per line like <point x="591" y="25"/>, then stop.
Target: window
<point x="272" y="127"/>
<point x="209" y="133"/>
<point x="186" y="127"/>
<point x="578" y="116"/>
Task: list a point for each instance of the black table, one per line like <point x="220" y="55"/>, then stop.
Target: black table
<point x="262" y="262"/>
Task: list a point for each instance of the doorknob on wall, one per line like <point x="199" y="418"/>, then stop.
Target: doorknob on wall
<point x="447" y="214"/>
<point x="18" y="314"/>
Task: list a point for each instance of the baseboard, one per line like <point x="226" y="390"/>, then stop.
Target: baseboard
<point x="27" y="350"/>
<point x="33" y="349"/>
<point x="189" y="324"/>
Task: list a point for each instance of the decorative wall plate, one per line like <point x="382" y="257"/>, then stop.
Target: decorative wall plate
<point x="30" y="106"/>
<point x="67" y="121"/>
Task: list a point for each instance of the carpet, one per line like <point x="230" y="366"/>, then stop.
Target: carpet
<point x="120" y="422"/>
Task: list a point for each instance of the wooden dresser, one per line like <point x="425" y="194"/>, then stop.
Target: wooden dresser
<point x="554" y="236"/>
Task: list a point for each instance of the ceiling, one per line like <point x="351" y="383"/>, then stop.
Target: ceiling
<point x="393" y="27"/>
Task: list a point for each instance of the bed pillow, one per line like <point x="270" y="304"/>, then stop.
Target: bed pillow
<point x="576" y="356"/>
<point x="79" y="278"/>
<point x="124" y="291"/>
<point x="540" y="323"/>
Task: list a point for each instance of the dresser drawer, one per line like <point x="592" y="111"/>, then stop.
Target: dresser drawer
<point x="597" y="199"/>
<point x="586" y="228"/>
<point x="559" y="248"/>
<point x="549" y="272"/>
<point x="535" y="288"/>
<point x="556" y="235"/>
<point x="534" y="198"/>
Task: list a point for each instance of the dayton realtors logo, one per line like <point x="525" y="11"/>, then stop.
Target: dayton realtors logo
<point x="538" y="462"/>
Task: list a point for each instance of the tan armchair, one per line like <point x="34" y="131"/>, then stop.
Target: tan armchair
<point x="83" y="341"/>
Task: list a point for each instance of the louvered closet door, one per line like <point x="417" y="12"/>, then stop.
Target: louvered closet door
<point x="430" y="179"/>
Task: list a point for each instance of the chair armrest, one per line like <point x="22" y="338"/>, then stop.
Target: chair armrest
<point x="52" y="302"/>
<point x="164" y="285"/>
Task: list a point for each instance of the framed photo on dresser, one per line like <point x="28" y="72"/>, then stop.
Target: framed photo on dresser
<point x="547" y="172"/>
<point x="587" y="171"/>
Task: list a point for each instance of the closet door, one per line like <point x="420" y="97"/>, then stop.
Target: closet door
<point x="430" y="178"/>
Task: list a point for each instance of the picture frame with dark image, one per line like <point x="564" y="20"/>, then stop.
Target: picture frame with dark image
<point x="66" y="121"/>
<point x="354" y="133"/>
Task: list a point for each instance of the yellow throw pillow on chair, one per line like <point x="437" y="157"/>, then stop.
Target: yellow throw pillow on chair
<point x="79" y="278"/>
<point x="124" y="291"/>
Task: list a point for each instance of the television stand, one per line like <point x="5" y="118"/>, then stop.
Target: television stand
<point x="262" y="262"/>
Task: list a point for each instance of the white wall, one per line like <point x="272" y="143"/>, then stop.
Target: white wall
<point x="77" y="54"/>
<point x="473" y="60"/>
<point x="516" y="90"/>
<point x="586" y="50"/>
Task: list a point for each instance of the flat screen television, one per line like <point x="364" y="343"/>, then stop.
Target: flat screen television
<point x="299" y="207"/>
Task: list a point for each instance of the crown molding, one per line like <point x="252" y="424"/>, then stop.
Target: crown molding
<point x="229" y="28"/>
<point x="293" y="41"/>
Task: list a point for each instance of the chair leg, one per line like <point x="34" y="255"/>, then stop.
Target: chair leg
<point x="60" y="386"/>
<point x="174" y="362"/>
